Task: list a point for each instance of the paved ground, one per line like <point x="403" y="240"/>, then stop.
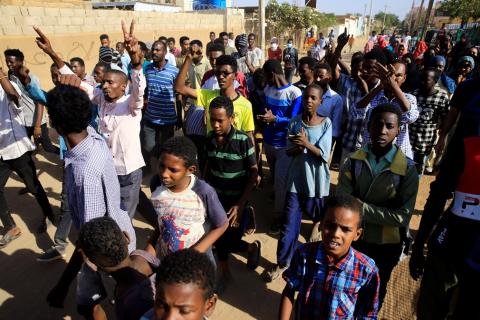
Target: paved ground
<point x="24" y="282"/>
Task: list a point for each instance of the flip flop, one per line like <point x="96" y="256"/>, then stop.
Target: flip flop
<point x="7" y="238"/>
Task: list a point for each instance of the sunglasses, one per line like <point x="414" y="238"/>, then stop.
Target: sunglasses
<point x="223" y="73"/>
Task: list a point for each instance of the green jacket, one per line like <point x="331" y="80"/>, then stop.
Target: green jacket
<point x="388" y="198"/>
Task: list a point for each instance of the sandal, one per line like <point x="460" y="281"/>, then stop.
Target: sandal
<point x="253" y="259"/>
<point x="9" y="237"/>
<point x="274" y="273"/>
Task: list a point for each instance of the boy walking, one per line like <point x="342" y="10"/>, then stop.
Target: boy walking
<point x="386" y="182"/>
<point x="232" y="170"/>
<point x="188" y="210"/>
<point x="323" y="272"/>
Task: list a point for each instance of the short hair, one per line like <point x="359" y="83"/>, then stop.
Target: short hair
<point x="159" y="42"/>
<point x="316" y="87"/>
<point x="437" y="73"/>
<point x="69" y="109"/>
<point x="357" y="57"/>
<point x="197" y="42"/>
<point x="259" y="78"/>
<point x="252" y="35"/>
<point x="222" y="102"/>
<point x="181" y="147"/>
<point x="290" y="39"/>
<point x="103" y="242"/>
<point x="79" y="60"/>
<point x="104" y="36"/>
<point x="14" y="53"/>
<point x="142" y="46"/>
<point x="376" y="54"/>
<point x="187" y="267"/>
<point x="106" y="66"/>
<point x="211" y="32"/>
<point x="183" y="38"/>
<point x="171" y="39"/>
<point x="119" y="73"/>
<point x="325" y="66"/>
<point x="162" y="38"/>
<point x="219" y="41"/>
<point x="227" y="60"/>
<point x="216" y="47"/>
<point x="273" y="66"/>
<point x="384" y="108"/>
<point x="120" y="43"/>
<point x="348" y="202"/>
<point x="222" y="34"/>
<point x="230" y="34"/>
<point x="311" y="62"/>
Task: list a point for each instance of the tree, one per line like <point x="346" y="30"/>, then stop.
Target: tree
<point x="463" y="9"/>
<point x="391" y="20"/>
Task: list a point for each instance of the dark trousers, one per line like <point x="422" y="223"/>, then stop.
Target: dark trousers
<point x="386" y="257"/>
<point x="65" y="221"/>
<point x="289" y="74"/>
<point x="420" y="159"/>
<point x="295" y="204"/>
<point x="152" y="136"/>
<point x="231" y="240"/>
<point x="45" y="139"/>
<point x="337" y="150"/>
<point x="130" y="191"/>
<point x="25" y="168"/>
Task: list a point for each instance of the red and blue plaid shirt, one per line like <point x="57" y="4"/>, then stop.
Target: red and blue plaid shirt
<point x="347" y="289"/>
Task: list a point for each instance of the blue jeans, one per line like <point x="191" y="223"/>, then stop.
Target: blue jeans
<point x="295" y="204"/>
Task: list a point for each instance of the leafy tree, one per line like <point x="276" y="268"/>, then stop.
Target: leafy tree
<point x="463" y="9"/>
<point x="391" y="20"/>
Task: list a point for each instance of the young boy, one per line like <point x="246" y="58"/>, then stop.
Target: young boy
<point x="333" y="280"/>
<point x="386" y="181"/>
<point x="308" y="177"/>
<point x="189" y="212"/>
<point x="103" y="244"/>
<point x="231" y="169"/>
<point x="185" y="287"/>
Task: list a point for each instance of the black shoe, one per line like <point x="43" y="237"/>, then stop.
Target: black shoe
<point x="275" y="228"/>
<point x="23" y="191"/>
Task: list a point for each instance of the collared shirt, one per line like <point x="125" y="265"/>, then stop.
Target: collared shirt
<point x="197" y="71"/>
<point x="125" y="58"/>
<point x="380" y="164"/>
<point x="119" y="122"/>
<point x="347" y="289"/>
<point x="92" y="185"/>
<point x="350" y="91"/>
<point x="403" y="139"/>
<point x="433" y="109"/>
<point x="13" y="136"/>
<point x="229" y="163"/>
<point x="332" y="107"/>
<point x="161" y="97"/>
<point x="285" y="103"/>
<point x="27" y="101"/>
<point x="256" y="56"/>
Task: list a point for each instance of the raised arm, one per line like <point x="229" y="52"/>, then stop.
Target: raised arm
<point x="180" y="86"/>
<point x="342" y="40"/>
<point x="44" y="43"/>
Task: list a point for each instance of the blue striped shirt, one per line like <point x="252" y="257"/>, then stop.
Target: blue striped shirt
<point x="285" y="103"/>
<point x="160" y="95"/>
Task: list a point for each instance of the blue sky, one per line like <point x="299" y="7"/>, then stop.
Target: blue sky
<point x="398" y="7"/>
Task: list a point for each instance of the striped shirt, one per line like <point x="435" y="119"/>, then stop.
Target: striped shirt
<point x="92" y="184"/>
<point x="347" y="289"/>
<point x="160" y="95"/>
<point x="229" y="163"/>
<point x="285" y="103"/>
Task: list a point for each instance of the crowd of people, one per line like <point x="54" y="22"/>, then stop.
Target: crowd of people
<point x="401" y="109"/>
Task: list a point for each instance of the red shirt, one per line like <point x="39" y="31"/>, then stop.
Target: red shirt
<point x="275" y="55"/>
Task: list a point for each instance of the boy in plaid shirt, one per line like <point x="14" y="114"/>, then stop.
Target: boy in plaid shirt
<point x="432" y="103"/>
<point x="333" y="280"/>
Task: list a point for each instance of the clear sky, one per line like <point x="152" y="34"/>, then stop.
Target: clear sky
<point x="398" y="7"/>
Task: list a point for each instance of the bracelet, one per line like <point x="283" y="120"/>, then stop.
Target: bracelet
<point x="1" y="78"/>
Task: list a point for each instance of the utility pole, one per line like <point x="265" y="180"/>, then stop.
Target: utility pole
<point x="419" y="16"/>
<point x="384" y="16"/>
<point x="427" y="18"/>
<point x="370" y="20"/>
<point x="261" y="11"/>
<point x="410" y="18"/>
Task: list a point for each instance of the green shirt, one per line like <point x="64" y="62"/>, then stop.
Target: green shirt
<point x="383" y="163"/>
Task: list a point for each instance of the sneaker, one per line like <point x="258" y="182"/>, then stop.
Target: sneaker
<point x="274" y="273"/>
<point x="275" y="228"/>
<point x="51" y="254"/>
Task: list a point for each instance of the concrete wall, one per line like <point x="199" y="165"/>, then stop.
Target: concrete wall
<point x="74" y="31"/>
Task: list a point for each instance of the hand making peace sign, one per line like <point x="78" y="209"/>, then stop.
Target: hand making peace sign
<point x="131" y="43"/>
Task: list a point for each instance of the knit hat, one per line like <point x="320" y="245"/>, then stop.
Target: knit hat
<point x="241" y="44"/>
<point x="468" y="59"/>
<point x="105" y="54"/>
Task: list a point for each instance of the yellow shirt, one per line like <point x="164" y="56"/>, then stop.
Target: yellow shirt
<point x="242" y="109"/>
